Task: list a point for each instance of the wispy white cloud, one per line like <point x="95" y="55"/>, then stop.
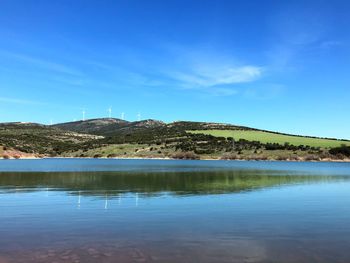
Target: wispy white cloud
<point x="265" y="91"/>
<point x="330" y="44"/>
<point x="295" y="32"/>
<point x="124" y="74"/>
<point x="216" y="76"/>
<point x="19" y="101"/>
<point x="220" y="91"/>
<point x="41" y="63"/>
<point x="205" y="68"/>
<point x="26" y="102"/>
<point x="199" y="69"/>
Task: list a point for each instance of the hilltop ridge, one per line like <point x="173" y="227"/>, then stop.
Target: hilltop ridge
<point x="107" y="126"/>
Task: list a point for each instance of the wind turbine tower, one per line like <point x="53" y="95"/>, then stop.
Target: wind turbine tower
<point x="83" y="115"/>
<point x="139" y="116"/>
<point x="122" y="115"/>
<point x="110" y="112"/>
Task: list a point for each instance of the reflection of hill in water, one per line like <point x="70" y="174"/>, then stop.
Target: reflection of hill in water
<point x="180" y="183"/>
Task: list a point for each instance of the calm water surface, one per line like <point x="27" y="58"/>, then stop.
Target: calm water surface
<point x="60" y="210"/>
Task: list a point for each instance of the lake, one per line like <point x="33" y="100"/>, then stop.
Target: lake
<point x="104" y="210"/>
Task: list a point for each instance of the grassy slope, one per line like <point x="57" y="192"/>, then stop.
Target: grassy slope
<point x="266" y="137"/>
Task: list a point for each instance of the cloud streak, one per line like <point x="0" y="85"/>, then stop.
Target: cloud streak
<point x="41" y="63"/>
<point x="19" y="101"/>
<point x="204" y="68"/>
<point x="217" y="76"/>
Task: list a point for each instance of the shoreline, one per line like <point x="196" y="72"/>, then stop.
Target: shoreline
<point x="168" y="158"/>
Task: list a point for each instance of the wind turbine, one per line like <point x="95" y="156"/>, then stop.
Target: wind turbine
<point x="139" y="116"/>
<point x="83" y="114"/>
<point x="122" y="115"/>
<point x="110" y="112"/>
<point x="51" y="122"/>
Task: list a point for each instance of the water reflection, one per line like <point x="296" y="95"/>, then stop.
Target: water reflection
<point x="104" y="184"/>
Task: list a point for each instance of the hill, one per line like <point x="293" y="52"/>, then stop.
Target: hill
<point x="40" y="139"/>
<point x="109" y="137"/>
<point x="151" y="130"/>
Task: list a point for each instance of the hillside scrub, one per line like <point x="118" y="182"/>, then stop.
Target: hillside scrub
<point x="343" y="150"/>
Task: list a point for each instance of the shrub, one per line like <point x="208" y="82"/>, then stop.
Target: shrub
<point x="345" y="150"/>
<point x="111" y="155"/>
<point x="97" y="155"/>
<point x="5" y="156"/>
<point x="186" y="156"/>
<point x="324" y="155"/>
<point x="340" y="156"/>
<point x="17" y="156"/>
<point x="273" y="146"/>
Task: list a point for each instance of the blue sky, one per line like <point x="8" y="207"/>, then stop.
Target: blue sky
<point x="277" y="65"/>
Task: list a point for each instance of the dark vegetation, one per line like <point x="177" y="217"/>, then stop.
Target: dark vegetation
<point x="342" y="150"/>
<point x="42" y="139"/>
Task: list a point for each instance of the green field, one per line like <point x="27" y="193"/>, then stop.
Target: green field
<point x="267" y="137"/>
